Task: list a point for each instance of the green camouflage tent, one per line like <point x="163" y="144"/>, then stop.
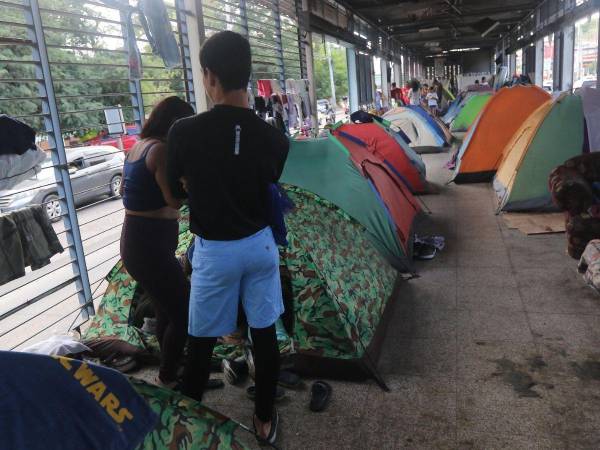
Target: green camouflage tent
<point x="187" y="424"/>
<point x="323" y="167"/>
<point x="341" y="286"/>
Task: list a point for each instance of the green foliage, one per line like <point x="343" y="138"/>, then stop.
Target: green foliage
<point x="321" y="71"/>
<point x="89" y="76"/>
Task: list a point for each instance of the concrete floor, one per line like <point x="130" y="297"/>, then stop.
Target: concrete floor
<point x="495" y="346"/>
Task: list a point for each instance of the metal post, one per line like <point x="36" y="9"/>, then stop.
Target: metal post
<point x="279" y="42"/>
<point x="331" y="75"/>
<point x="184" y="46"/>
<point x="59" y="158"/>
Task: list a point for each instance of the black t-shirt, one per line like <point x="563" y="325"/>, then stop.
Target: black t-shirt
<point x="228" y="157"/>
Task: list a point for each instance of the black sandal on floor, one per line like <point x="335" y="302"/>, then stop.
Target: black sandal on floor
<point x="289" y="380"/>
<point x="272" y="437"/>
<point x="320" y="394"/>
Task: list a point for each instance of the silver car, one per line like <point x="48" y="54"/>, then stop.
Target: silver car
<point x="95" y="171"/>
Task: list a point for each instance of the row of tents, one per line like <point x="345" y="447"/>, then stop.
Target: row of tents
<point x="350" y="234"/>
<point x="520" y="136"/>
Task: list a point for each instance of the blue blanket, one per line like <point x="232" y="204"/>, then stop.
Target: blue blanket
<point x="61" y="403"/>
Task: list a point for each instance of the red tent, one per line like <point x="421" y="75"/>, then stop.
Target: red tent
<point x="377" y="141"/>
<point x="393" y="192"/>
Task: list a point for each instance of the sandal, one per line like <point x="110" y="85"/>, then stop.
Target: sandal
<point x="289" y="379"/>
<point x="320" y="394"/>
<point x="272" y="437"/>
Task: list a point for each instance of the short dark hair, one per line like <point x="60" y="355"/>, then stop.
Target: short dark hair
<point x="393" y="84"/>
<point x="227" y="55"/>
<point x="164" y="114"/>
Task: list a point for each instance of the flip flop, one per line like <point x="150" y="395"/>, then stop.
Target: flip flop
<point x="251" y="393"/>
<point x="272" y="437"/>
<point x="320" y="394"/>
<point x="289" y="379"/>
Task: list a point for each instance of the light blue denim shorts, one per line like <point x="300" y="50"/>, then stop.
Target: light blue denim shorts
<point x="227" y="273"/>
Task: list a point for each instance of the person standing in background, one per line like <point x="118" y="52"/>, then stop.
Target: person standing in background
<point x="150" y="234"/>
<point x="229" y="158"/>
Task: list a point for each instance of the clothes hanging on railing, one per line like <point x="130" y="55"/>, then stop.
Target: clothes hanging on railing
<point x="16" y="168"/>
<point x="16" y="137"/>
<point x="27" y="239"/>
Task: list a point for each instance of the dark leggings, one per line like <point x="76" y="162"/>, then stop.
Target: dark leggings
<point x="266" y="362"/>
<point x="148" y="252"/>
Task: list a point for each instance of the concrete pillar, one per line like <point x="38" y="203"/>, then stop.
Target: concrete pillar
<point x="385" y="83"/>
<point x="568" y="56"/>
<point x="539" y="63"/>
<point x="196" y="38"/>
<point x="398" y="74"/>
<point x="352" y="79"/>
<point x="310" y="70"/>
<point x="557" y="62"/>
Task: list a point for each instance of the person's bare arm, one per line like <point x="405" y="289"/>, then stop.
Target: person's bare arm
<point x="157" y="163"/>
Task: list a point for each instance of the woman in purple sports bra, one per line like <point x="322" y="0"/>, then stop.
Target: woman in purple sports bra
<point x="150" y="233"/>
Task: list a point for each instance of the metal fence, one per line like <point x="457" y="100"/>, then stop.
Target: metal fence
<point x="272" y="28"/>
<point x="63" y="63"/>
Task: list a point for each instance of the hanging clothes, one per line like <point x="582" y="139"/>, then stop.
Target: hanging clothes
<point x="16" y="137"/>
<point x="157" y="25"/>
<point x="17" y="168"/>
<point x="33" y="243"/>
<point x="264" y="88"/>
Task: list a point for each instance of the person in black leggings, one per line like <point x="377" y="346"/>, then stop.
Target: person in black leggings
<point x="150" y="234"/>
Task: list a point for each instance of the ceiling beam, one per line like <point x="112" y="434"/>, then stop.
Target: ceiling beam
<point x="513" y="11"/>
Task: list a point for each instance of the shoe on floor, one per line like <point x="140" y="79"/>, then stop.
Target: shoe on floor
<point x="289" y="380"/>
<point x="235" y="370"/>
<point x="272" y="437"/>
<point x="320" y="394"/>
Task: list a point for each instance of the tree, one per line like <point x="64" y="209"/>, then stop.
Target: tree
<point x="321" y="71"/>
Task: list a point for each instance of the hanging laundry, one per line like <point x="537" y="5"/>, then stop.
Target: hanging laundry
<point x="264" y="88"/>
<point x="16" y="168"/>
<point x="12" y="263"/>
<point x="26" y="239"/>
<point x="16" y="137"/>
<point x="156" y="23"/>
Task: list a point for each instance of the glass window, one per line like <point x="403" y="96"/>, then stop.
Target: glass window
<point x="548" y="62"/>
<point x="585" y="58"/>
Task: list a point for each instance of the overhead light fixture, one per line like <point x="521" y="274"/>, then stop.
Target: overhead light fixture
<point x="468" y="49"/>
<point x="486" y="26"/>
<point x="427" y="30"/>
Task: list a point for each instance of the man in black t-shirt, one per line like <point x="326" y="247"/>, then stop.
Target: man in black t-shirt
<point x="228" y="158"/>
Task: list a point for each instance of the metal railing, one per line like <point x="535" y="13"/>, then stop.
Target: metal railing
<point x="60" y="69"/>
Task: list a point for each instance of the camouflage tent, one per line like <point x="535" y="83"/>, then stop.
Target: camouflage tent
<point x="187" y="424"/>
<point x="341" y="285"/>
<point x="323" y="167"/>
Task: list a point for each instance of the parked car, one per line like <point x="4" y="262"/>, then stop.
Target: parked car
<point x="95" y="171"/>
<point x="129" y="139"/>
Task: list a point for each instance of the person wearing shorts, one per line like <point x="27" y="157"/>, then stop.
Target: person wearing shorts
<point x="227" y="158"/>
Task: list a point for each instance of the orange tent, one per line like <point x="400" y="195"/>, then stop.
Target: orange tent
<point x="483" y="147"/>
